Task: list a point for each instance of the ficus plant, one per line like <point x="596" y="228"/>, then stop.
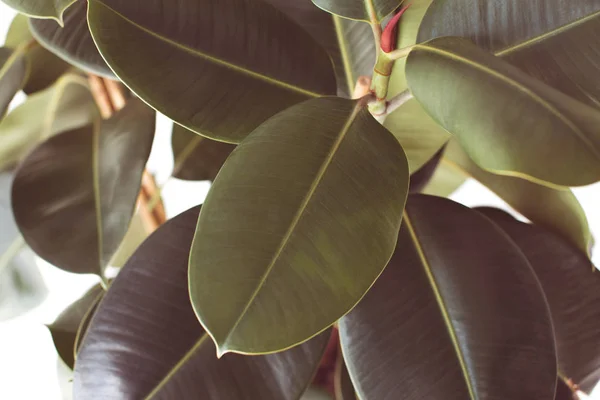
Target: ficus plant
<point x="327" y="253"/>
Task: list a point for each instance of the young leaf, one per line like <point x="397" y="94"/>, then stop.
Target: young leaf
<point x="65" y="329"/>
<point x="48" y="9"/>
<point x="301" y="220"/>
<point x="420" y="136"/>
<point x="13" y="73"/>
<point x="365" y="10"/>
<point x="211" y="65"/>
<point x="197" y="158"/>
<point x="67" y="105"/>
<point x="571" y="288"/>
<point x="45" y="67"/>
<point x="146" y="340"/>
<point x="74" y="213"/>
<point x="461" y="309"/>
<point x="508" y="122"/>
<point x="556" y="210"/>
<point x="73" y="42"/>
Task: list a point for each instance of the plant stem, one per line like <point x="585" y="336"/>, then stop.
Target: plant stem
<point x="401" y="98"/>
<point x="381" y="82"/>
<point x="13" y="250"/>
<point x="375" y="25"/>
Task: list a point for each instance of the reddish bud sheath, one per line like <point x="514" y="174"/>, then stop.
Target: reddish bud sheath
<point x="388" y="37"/>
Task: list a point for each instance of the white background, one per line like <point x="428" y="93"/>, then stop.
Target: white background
<point x="29" y="367"/>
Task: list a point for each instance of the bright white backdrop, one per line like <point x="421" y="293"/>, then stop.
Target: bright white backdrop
<point x="28" y="361"/>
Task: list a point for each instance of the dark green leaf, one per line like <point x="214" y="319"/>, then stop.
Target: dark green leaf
<point x="65" y="328"/>
<point x="301" y="220"/>
<point x="45" y="67"/>
<point x="13" y="73"/>
<point x="457" y="314"/>
<point x="349" y="43"/>
<point x="508" y="122"/>
<point x="75" y="212"/>
<point x="146" y="341"/>
<point x="68" y="104"/>
<point x="218" y="79"/>
<point x="359" y="9"/>
<point x="571" y="288"/>
<point x="197" y="158"/>
<point x="73" y="42"/>
<point x="51" y="9"/>
<point x="556" y="210"/>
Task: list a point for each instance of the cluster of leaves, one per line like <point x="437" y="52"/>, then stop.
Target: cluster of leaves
<point x="326" y="213"/>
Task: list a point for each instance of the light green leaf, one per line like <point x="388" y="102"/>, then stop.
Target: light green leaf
<point x="220" y="79"/>
<point x="301" y="220"/>
<point x="45" y="67"/>
<point x="508" y="122"/>
<point x="46" y="9"/>
<point x="558" y="211"/>
<point x="13" y="73"/>
<point x="359" y="9"/>
<point x="94" y="187"/>
<point x="68" y="104"/>
<point x="73" y="42"/>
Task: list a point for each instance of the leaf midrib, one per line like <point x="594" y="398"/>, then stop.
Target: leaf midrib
<point x="441" y="304"/>
<point x="297" y="217"/>
<point x="534" y="96"/>
<point x="214" y="59"/>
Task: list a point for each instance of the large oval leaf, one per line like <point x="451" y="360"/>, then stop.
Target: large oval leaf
<point x="74" y="213"/>
<point x="366" y="10"/>
<point x="152" y="346"/>
<point x="45" y="67"/>
<point x="508" y="122"/>
<point x="556" y="210"/>
<point x="301" y="220"/>
<point x="51" y="9"/>
<point x="73" y="42"/>
<point x="461" y="309"/>
<point x="65" y="329"/>
<point x="13" y="73"/>
<point x="571" y="288"/>
<point x="68" y="104"/>
<point x="196" y="157"/>
<point x="218" y="79"/>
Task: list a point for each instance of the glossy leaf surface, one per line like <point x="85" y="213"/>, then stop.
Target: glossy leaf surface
<point x="197" y="158"/>
<point x="508" y="122"/>
<point x="13" y="73"/>
<point x="44" y="67"/>
<point x="461" y="309"/>
<point x="146" y="320"/>
<point x="51" y="9"/>
<point x="200" y="73"/>
<point x="73" y="42"/>
<point x="302" y="219"/>
<point x="359" y="9"/>
<point x="84" y="203"/>
<point x="349" y="43"/>
<point x="66" y="105"/>
<point x="65" y="328"/>
<point x="555" y="210"/>
<point x="571" y="288"/>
